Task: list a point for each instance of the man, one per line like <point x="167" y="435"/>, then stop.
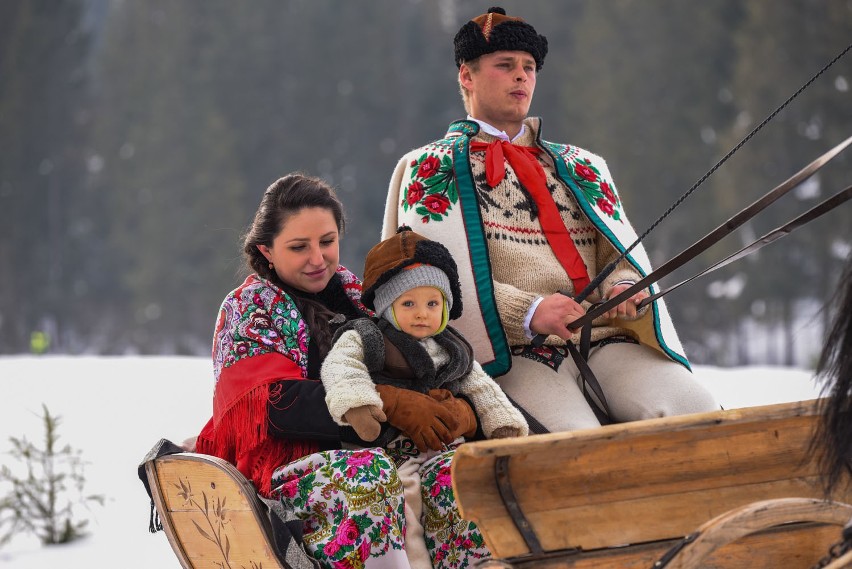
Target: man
<point x="525" y="218"/>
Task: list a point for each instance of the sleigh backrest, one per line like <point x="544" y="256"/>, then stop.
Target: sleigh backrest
<point x="645" y="484"/>
<point x="210" y="513"/>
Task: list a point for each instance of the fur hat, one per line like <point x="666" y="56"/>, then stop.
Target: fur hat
<point x="495" y="31"/>
<point x="384" y="280"/>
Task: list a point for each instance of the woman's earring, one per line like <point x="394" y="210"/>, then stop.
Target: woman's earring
<point x="271" y="266"/>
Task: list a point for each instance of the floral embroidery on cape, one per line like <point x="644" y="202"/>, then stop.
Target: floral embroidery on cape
<point x="599" y="192"/>
<point x="432" y="191"/>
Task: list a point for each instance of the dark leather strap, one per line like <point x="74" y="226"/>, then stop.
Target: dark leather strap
<point x="587" y="376"/>
<point x="823" y="207"/>
<point x="711" y="238"/>
<point x="536" y="428"/>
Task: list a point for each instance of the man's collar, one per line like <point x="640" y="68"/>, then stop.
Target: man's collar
<point x="493" y="131"/>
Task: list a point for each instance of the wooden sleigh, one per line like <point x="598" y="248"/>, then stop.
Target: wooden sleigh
<point x="729" y="488"/>
<point x="723" y="489"/>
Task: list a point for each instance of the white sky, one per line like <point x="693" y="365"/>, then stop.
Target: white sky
<point x="114" y="409"/>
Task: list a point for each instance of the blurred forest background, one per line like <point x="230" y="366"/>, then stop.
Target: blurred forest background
<point x="136" y="139"/>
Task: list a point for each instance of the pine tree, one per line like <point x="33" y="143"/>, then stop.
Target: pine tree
<point x="38" y="502"/>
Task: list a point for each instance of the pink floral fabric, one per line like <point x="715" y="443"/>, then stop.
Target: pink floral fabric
<point x="453" y="543"/>
<point x="351" y="502"/>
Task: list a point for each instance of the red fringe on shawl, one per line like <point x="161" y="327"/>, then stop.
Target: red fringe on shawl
<point x="239" y="429"/>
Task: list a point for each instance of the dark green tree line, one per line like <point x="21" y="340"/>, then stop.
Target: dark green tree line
<point x="137" y="139"/>
<point x="45" y="221"/>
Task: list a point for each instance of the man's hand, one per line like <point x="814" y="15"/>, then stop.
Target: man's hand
<point x="554" y="313"/>
<point x="627" y="309"/>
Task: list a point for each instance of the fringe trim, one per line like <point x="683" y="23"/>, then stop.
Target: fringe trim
<point x="241" y="437"/>
<point x="154" y="523"/>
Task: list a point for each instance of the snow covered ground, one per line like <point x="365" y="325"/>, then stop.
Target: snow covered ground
<point x="114" y="409"/>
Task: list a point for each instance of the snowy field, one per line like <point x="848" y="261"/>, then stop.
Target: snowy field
<point x="115" y="409"/>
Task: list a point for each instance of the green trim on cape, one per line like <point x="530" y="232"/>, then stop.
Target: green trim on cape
<point x="462" y="131"/>
<point x="478" y="247"/>
<point x="554" y="150"/>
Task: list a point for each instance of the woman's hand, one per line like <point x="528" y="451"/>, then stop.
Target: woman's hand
<point x="426" y="421"/>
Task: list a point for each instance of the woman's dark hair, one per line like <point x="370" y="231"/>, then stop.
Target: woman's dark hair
<point x="286" y="197"/>
<point x="833" y="439"/>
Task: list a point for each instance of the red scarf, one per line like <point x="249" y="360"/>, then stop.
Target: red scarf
<point x="239" y="429"/>
<point x="530" y="173"/>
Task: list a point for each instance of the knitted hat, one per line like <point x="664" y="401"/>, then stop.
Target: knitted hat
<point x="495" y="31"/>
<point x="411" y="277"/>
<point x="386" y="277"/>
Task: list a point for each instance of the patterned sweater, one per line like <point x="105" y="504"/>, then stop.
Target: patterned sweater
<point x="522" y="262"/>
<point x="498" y="242"/>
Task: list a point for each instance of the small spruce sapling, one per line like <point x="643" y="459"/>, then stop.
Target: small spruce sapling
<point x="42" y="501"/>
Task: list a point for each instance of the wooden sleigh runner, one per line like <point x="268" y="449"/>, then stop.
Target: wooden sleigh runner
<point x="213" y="517"/>
<point x="723" y="489"/>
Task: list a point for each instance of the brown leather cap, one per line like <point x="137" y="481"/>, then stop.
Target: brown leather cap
<point x="389" y="257"/>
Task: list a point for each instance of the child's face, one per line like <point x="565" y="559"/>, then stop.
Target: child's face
<point x="419" y="311"/>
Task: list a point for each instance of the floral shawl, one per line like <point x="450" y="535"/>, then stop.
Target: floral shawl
<point x="260" y="338"/>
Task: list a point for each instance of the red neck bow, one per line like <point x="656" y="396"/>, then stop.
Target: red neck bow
<point x="531" y="175"/>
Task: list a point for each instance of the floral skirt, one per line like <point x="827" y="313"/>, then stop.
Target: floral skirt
<point x="353" y="509"/>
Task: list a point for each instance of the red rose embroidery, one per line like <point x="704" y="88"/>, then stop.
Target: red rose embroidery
<point x="425" y="219"/>
<point x="437" y="203"/>
<point x="608" y="193"/>
<point x="415" y="193"/>
<point x="605" y="206"/>
<point x="584" y="172"/>
<point x="345" y="563"/>
<point x="260" y="321"/>
<point x="331" y="548"/>
<point x="413" y="163"/>
<point x="347" y="533"/>
<point x="444" y="478"/>
<point x="290" y="489"/>
<point x="428" y="167"/>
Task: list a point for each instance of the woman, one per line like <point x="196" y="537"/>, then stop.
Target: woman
<point x="270" y="418"/>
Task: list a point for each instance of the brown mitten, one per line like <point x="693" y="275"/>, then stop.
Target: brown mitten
<point x="505" y="432"/>
<point x="428" y="422"/>
<point x="366" y="420"/>
<point x="460" y="409"/>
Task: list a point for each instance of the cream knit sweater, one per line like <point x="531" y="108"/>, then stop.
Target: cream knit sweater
<point x="348" y="384"/>
<point x="522" y="262"/>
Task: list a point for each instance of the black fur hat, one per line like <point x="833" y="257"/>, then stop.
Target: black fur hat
<point x="391" y="256"/>
<point x="495" y="31"/>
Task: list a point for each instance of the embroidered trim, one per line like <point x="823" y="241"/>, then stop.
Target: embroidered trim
<point x="486" y="29"/>
<point x="551" y="356"/>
